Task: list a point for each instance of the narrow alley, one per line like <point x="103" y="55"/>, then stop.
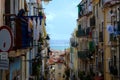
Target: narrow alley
<point x="59" y="39"/>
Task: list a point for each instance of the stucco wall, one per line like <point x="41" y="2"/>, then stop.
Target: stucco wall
<point x="2" y="3"/>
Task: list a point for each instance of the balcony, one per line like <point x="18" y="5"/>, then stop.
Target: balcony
<point x="100" y="36"/>
<point x="80" y="11"/>
<point x="83" y="54"/>
<point x="91" y="46"/>
<point x="73" y="42"/>
<point x="17" y="53"/>
<point x="92" y="21"/>
<point x="110" y="2"/>
<point x="112" y="37"/>
<point x="117" y="31"/>
<point x="22" y="37"/>
<point x="80" y="32"/>
<point x="87" y="31"/>
<point x="89" y="10"/>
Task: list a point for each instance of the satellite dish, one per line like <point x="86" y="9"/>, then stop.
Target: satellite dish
<point x="6" y="39"/>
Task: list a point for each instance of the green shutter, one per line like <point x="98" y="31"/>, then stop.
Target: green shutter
<point x="79" y="8"/>
<point x="91" y="46"/>
<point x="82" y="54"/>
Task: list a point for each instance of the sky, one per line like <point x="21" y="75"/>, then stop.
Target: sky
<point x="61" y="18"/>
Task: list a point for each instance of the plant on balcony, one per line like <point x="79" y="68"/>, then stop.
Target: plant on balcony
<point x="41" y="39"/>
<point x="91" y="46"/>
<point x="67" y="73"/>
<point x="73" y="42"/>
<point x="81" y="74"/>
<point x="92" y="21"/>
<point x="39" y="49"/>
<point x="112" y="37"/>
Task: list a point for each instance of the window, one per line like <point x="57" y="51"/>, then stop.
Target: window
<point x="101" y="32"/>
<point x="59" y="66"/>
<point x="102" y="1"/>
<point x="7" y="11"/>
<point x="97" y="10"/>
<point x="7" y="6"/>
<point x="114" y="59"/>
<point x="59" y="74"/>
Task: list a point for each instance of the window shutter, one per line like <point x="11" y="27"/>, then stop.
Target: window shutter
<point x="18" y="38"/>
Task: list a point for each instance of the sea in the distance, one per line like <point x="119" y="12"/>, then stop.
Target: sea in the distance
<point x="59" y="44"/>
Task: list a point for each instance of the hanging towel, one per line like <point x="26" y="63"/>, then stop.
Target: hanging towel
<point x="30" y="28"/>
<point x="38" y="28"/>
<point x="34" y="29"/>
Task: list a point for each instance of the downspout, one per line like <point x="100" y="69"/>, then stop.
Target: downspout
<point x="119" y="43"/>
<point x="104" y="57"/>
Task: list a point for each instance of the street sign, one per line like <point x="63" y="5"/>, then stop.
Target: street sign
<point x="4" y="61"/>
<point x="6" y="39"/>
<point x="4" y="64"/>
<point x="3" y="55"/>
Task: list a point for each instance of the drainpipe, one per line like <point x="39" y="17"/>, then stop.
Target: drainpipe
<point x="119" y="45"/>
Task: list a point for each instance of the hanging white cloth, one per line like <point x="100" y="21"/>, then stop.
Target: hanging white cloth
<point x="34" y="29"/>
<point x="30" y="24"/>
<point x="41" y="28"/>
<point x="38" y="28"/>
<point x="90" y="8"/>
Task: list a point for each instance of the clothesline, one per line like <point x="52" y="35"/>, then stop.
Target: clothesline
<point x="34" y="16"/>
<point x="18" y="16"/>
<point x="31" y="17"/>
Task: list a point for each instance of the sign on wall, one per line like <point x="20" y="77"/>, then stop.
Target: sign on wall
<point x="6" y="39"/>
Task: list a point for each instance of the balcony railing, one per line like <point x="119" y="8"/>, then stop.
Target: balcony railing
<point x="87" y="31"/>
<point x="113" y="38"/>
<point x="118" y="28"/>
<point x="111" y="2"/>
<point x="89" y="10"/>
<point x="91" y="46"/>
<point x="100" y="36"/>
<point x="22" y="37"/>
<point x="80" y="11"/>
<point x="92" y="21"/>
<point x="73" y="42"/>
<point x="80" y="33"/>
<point x="83" y="54"/>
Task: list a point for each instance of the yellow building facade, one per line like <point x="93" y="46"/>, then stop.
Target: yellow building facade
<point x="102" y="17"/>
<point x="1" y="11"/>
<point x="111" y="40"/>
